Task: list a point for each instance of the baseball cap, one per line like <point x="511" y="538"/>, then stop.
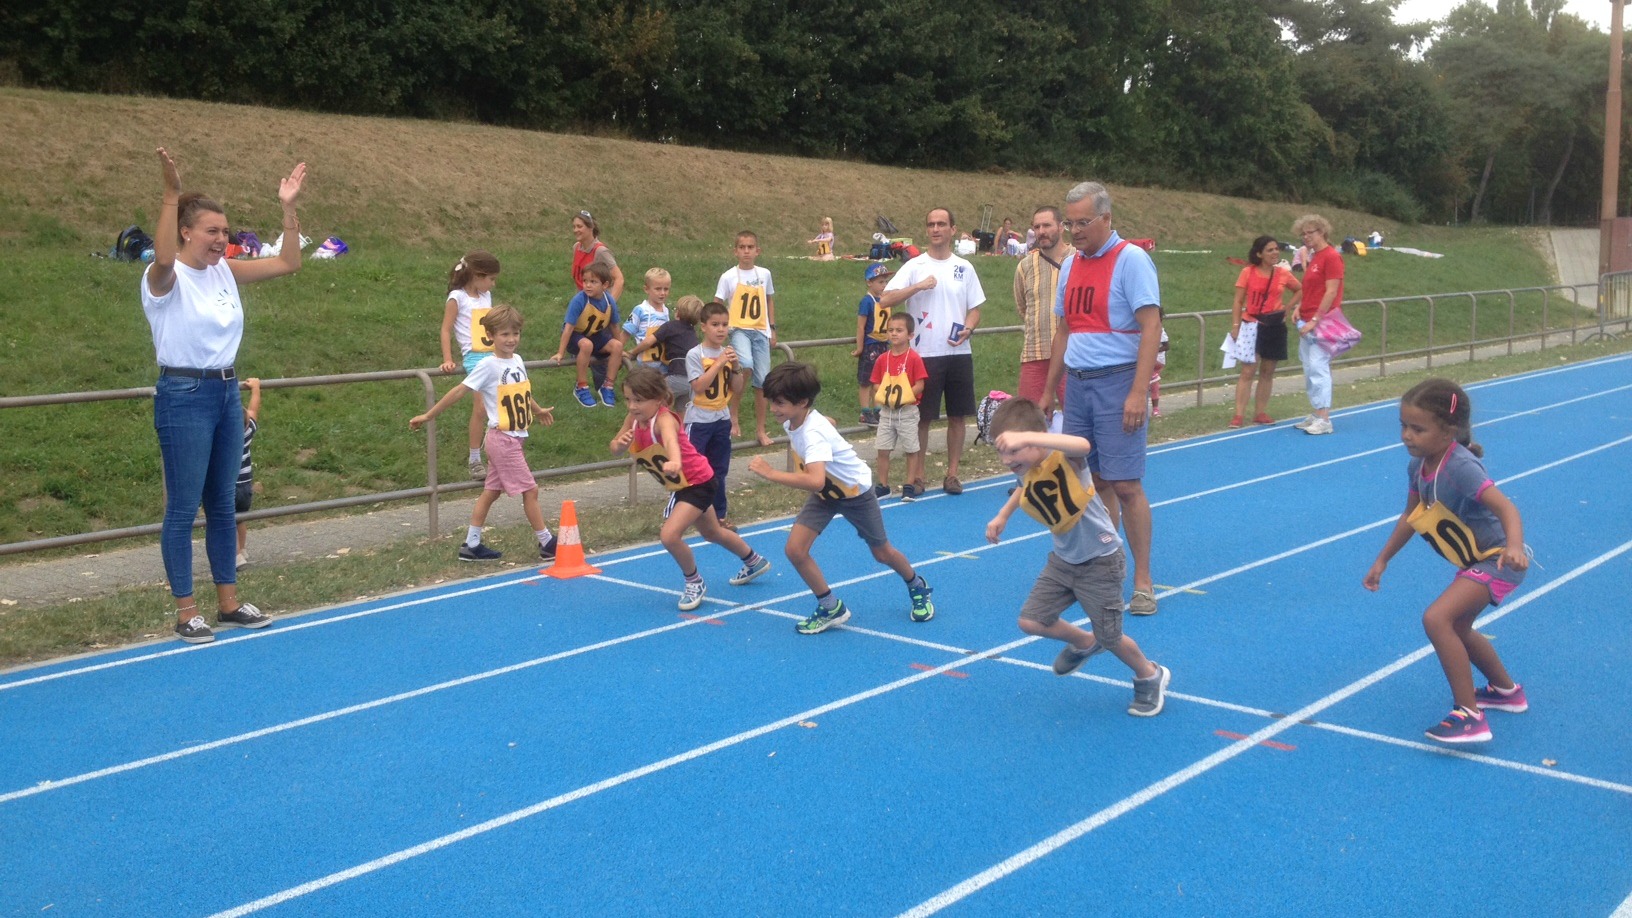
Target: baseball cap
<point x="878" y="269"/>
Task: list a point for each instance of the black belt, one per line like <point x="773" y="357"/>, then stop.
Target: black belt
<point x="191" y="373"/>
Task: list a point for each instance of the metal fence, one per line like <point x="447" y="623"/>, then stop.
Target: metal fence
<point x="1613" y="316"/>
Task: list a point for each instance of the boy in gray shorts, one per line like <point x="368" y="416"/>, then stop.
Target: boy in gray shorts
<point x="1086" y="565"/>
<point x="898" y="379"/>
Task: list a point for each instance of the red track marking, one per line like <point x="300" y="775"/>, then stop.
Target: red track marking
<point x="1270" y="743"/>
<point x="711" y="621"/>
<point x="951" y="672"/>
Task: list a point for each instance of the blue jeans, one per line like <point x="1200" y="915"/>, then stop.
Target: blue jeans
<point x="713" y="440"/>
<point x="200" y="423"/>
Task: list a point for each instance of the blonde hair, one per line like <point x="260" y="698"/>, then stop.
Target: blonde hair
<point x="689" y="309"/>
<point x="502" y="317"/>
<point x="1313" y="221"/>
<point x="653" y="275"/>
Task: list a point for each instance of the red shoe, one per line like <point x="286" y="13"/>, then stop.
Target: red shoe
<point x="1235" y="421"/>
<point x="1261" y="418"/>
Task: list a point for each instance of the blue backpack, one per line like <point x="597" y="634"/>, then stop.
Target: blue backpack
<point x="131" y="245"/>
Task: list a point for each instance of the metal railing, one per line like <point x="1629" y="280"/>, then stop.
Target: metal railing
<point x="1614" y="308"/>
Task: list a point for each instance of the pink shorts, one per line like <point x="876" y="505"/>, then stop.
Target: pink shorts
<point x="507" y="469"/>
<point x="1499" y="581"/>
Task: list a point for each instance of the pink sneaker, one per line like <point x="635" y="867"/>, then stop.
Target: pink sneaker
<point x="1461" y="727"/>
<point x="1491" y="699"/>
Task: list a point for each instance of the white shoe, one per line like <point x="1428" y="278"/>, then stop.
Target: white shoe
<point x="1304" y="424"/>
<point x="1320" y="426"/>
<point x="243" y="559"/>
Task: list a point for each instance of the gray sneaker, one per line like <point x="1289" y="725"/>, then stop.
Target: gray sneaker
<point x="692" y="596"/>
<point x="1142" y="603"/>
<point x="1304" y="424"/>
<point x="478" y="471"/>
<point x="194" y="630"/>
<point x="1071" y="659"/>
<point x="1150" y="694"/>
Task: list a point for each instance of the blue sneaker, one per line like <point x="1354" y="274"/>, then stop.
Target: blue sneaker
<point x="750" y="571"/>
<point x="480" y="553"/>
<point x="609" y="396"/>
<point x="922" y="609"/>
<point x="821" y="621"/>
<point x="584" y="396"/>
<point x="1459" y="726"/>
<point x="692" y="596"/>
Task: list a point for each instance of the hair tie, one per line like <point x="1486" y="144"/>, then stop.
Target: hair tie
<point x="460" y="266"/>
<point x="1453" y="403"/>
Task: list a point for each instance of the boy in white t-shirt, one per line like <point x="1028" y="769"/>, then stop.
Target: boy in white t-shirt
<point x="646" y="317"/>
<point x="506" y="393"/>
<point x="826" y="465"/>
<point x="747" y="291"/>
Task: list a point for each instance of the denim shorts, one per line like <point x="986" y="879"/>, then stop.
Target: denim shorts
<point x="753" y="353"/>
<point x="1093" y="409"/>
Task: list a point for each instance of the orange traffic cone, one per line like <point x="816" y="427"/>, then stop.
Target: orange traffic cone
<point x="569" y="548"/>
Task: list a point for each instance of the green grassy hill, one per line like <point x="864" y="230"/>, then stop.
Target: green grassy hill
<point x="409" y="197"/>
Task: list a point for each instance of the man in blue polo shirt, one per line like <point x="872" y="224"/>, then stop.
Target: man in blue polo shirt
<point x="1105" y="344"/>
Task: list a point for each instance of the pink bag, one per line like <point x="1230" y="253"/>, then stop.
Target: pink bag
<point x="1335" y="335"/>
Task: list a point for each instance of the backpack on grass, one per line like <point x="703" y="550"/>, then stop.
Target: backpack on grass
<point x="131" y="245"/>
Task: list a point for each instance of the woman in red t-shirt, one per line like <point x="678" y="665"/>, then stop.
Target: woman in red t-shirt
<point x="1322" y="293"/>
<point x="1260" y="292"/>
<point x="587" y="248"/>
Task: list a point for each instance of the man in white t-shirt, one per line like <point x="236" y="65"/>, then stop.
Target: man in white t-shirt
<point x="942" y="293"/>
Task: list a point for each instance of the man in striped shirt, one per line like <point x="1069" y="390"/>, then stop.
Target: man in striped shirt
<point x="1035" y="280"/>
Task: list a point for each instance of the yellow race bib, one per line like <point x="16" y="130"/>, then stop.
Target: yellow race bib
<point x="748" y="308"/>
<point x="824" y="248"/>
<point x="1053" y="494"/>
<point x="894" y="389"/>
<point x="592" y="320"/>
<point x="832" y="488"/>
<point x="515" y="405"/>
<point x="717" y="394"/>
<point x="881" y="322"/>
<point x="1448" y="535"/>
<point x="652" y="459"/>
<point x="480" y="343"/>
<point x="658" y="353"/>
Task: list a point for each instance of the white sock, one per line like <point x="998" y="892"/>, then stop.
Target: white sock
<point x="476" y="455"/>
<point x="473" y="538"/>
<point x="544" y="536"/>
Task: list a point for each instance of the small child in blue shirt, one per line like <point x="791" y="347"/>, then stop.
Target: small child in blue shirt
<point x="588" y="331"/>
<point x="872" y="337"/>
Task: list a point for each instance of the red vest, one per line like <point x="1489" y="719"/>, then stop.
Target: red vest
<point x="581" y="260"/>
<point x="1088" y="291"/>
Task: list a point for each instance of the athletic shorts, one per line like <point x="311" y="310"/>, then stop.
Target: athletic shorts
<point x="474" y="357"/>
<point x="861" y="511"/>
<point x="599" y="342"/>
<point x="870" y="350"/>
<point x="1093" y="409"/>
<point x="700" y="496"/>
<point x="954" y="376"/>
<point x="1500" y="582"/>
<point x="1095" y="584"/>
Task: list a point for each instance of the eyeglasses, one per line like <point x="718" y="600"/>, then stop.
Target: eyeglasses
<point x="1082" y="224"/>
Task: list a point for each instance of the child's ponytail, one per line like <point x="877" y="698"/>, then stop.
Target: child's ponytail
<point x="1449" y="405"/>
<point x="474" y="263"/>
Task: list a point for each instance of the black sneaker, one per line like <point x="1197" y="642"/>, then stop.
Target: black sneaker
<point x="194" y="630"/>
<point x="480" y="553"/>
<point x="546" y="552"/>
<point x="881" y="491"/>
<point x="245" y="616"/>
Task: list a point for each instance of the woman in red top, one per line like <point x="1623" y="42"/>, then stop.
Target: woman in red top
<point x="588" y="248"/>
<point x="1259" y="295"/>
<point x="1322" y="293"/>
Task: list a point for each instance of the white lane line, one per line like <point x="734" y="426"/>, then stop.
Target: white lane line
<point x="1625" y="909"/>
<point x="592" y="789"/>
<point x="1132" y="802"/>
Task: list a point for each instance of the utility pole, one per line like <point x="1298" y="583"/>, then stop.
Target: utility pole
<point x="1612" y="142"/>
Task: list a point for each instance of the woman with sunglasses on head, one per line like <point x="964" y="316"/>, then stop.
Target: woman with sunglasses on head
<point x="190" y="296"/>
<point x="588" y="248"/>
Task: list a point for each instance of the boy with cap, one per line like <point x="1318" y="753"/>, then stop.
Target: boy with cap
<point x="872" y="337"/>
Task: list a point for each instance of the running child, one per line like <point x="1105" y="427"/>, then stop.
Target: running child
<point x="872" y="337"/>
<point x="246" y="468"/>
<point x="824" y="241"/>
<point x="669" y="344"/>
<point x="748" y="292"/>
<point x="1452" y="503"/>
<point x="899" y="375"/>
<point x="501" y="379"/>
<point x="839" y="483"/>
<point x="712" y="370"/>
<point x="588" y="332"/>
<point x="470" y="296"/>
<point x="1087" y="564"/>
<point x="651" y="434"/>
<point x="652" y="312"/>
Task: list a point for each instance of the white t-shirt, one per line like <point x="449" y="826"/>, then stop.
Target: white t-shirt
<point x="491" y="375"/>
<point x="735" y="277"/>
<point x="200" y="322"/>
<point x="957" y="290"/>
<point x="461" y="320"/>
<point x="817" y="440"/>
